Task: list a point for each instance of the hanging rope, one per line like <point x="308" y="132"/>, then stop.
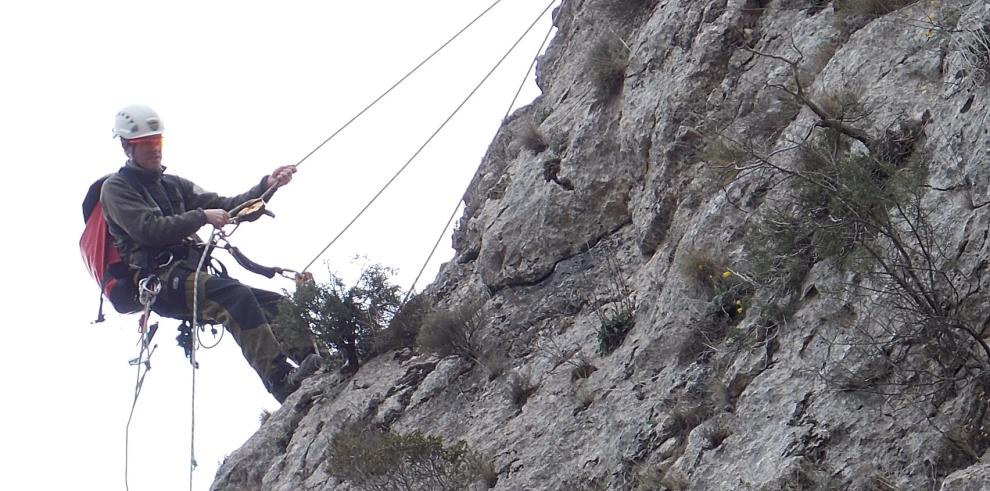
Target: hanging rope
<point x="403" y="79"/>
<point x="149" y="289"/>
<point x="526" y="77"/>
<point x="192" y="354"/>
<point x="436" y="244"/>
<point x="268" y="192"/>
<point x="450" y="220"/>
<point x="430" y="139"/>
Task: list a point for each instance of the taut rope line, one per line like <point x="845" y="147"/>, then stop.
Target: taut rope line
<point x="430" y="139"/>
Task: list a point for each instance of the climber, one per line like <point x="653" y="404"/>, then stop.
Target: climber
<point x="153" y="218"/>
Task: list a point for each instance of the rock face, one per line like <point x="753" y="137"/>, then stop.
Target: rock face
<point x="606" y="191"/>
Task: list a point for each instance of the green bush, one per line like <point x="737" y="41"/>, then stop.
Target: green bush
<point x="614" y="323"/>
<point x="344" y="320"/>
<point x="375" y="459"/>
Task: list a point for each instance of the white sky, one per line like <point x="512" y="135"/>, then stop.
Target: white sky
<point x="242" y="87"/>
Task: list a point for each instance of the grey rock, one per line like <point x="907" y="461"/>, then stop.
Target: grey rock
<point x="613" y="209"/>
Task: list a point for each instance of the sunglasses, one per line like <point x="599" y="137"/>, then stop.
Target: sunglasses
<point x="150" y="140"/>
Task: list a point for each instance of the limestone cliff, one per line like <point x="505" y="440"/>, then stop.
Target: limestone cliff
<point x="666" y="133"/>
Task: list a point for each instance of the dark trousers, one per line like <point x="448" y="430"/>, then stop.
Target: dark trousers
<point x="246" y="313"/>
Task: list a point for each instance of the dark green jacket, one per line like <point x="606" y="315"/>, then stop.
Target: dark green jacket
<point x="158" y="216"/>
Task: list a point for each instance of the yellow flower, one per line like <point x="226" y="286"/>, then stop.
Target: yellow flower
<point x="739" y="310"/>
<point x="739" y="302"/>
<point x="726" y="275"/>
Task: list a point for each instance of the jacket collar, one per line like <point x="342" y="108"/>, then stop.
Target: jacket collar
<point x="145" y="176"/>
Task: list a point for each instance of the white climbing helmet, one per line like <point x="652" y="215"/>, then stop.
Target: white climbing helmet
<point x="137" y="121"/>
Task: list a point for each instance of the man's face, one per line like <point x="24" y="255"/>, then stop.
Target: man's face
<point x="146" y="151"/>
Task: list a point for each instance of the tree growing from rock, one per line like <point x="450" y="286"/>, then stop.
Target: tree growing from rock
<point x="345" y="320"/>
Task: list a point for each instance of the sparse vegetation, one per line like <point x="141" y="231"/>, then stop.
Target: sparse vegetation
<point x="582" y="367"/>
<point x="606" y="66"/>
<point x="616" y="321"/>
<point x="519" y="386"/>
<point x="973" y="47"/>
<point x="374" y="459"/>
<point x="404" y="326"/>
<point x="870" y="8"/>
<point x="344" y="320"/>
<point x="728" y="298"/>
<point x="495" y="361"/>
<point x="616" y="318"/>
<point x="859" y="201"/>
<point x="687" y="414"/>
<point x="529" y="136"/>
<point x="580" y="363"/>
<point x="454" y="331"/>
<point x="625" y="10"/>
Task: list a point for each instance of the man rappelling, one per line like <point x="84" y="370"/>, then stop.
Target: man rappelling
<point x="153" y="217"/>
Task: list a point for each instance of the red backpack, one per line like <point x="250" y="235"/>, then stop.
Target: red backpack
<point x="103" y="259"/>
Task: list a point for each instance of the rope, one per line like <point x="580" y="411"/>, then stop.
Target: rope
<point x="458" y="206"/>
<point x="526" y="77"/>
<point x="147" y="298"/>
<point x="192" y="355"/>
<point x="430" y="139"/>
<point x="432" y="251"/>
<point x="272" y="188"/>
<point x="403" y="79"/>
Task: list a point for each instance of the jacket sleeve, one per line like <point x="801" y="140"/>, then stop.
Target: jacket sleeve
<point x="143" y="221"/>
<point x="197" y="197"/>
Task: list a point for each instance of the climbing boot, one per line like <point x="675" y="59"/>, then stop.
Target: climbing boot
<point x="286" y="382"/>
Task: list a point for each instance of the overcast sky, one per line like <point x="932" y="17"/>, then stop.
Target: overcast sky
<point x="242" y="87"/>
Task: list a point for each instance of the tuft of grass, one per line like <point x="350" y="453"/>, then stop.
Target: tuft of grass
<point x="495" y="362"/>
<point x="582" y="367"/>
<point x="455" y="331"/>
<point x="606" y="66"/>
<point x="530" y="137"/>
<point x="687" y="413"/>
<point x="404" y="327"/>
<point x="615" y="323"/>
<point x="263" y="417"/>
<point x="617" y="319"/>
<point x="519" y="386"/>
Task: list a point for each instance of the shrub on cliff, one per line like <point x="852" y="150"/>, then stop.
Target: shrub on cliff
<point x="453" y="331"/>
<point x="344" y="320"/>
<point x="375" y="459"/>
